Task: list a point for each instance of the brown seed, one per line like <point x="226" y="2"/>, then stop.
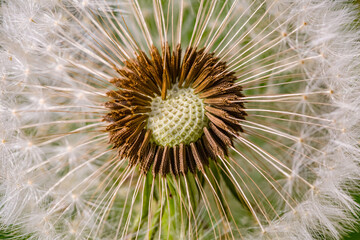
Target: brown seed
<point x="197" y="157"/>
<point x="144" y="143"/>
<point x="225" y="139"/>
<point x="175" y="161"/>
<point x="157" y="160"/>
<point x="182" y="159"/>
<point x="219" y="123"/>
<point x="212" y="152"/>
<point x="165" y="162"/>
<point x="149" y="159"/>
<point x="213" y="143"/>
<point x="190" y="159"/>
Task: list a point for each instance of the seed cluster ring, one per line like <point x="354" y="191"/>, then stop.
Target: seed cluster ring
<point x="143" y="78"/>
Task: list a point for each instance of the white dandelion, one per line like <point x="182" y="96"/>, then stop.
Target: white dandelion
<point x="132" y="119"/>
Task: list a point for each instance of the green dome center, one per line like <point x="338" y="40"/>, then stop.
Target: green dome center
<point x="180" y="118"/>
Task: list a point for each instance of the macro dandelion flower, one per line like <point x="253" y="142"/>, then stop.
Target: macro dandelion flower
<point x="132" y="119"/>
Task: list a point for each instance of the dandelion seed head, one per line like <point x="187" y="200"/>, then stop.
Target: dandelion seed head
<point x="194" y="91"/>
<point x="94" y="143"/>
